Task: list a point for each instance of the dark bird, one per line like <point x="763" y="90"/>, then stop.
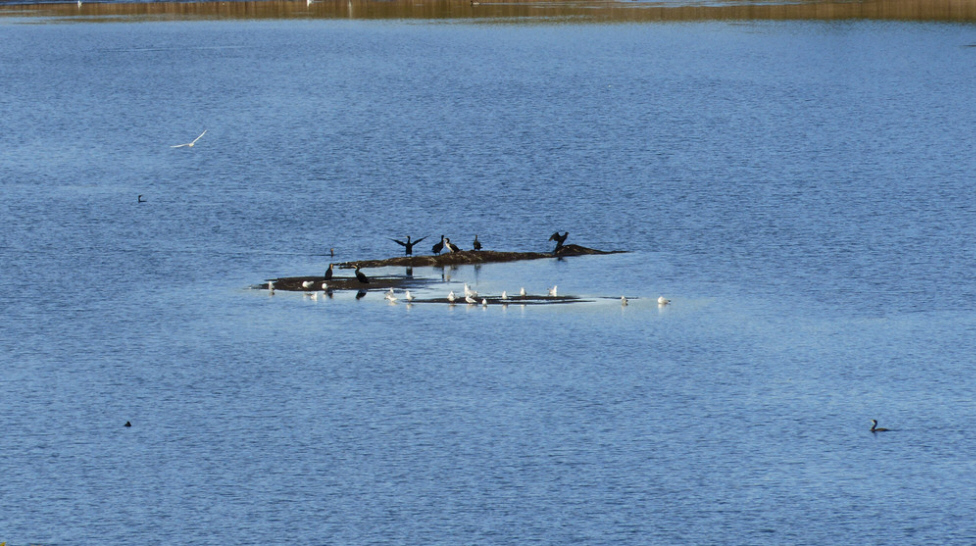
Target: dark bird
<point x="477" y="244"/>
<point x="408" y="245"/>
<point x="328" y="273"/>
<point x="141" y="200"/>
<point x="361" y="276"/>
<point x="332" y="253"/>
<point x="437" y="248"/>
<point x="128" y="424"/>
<point x="560" y="239"/>
<point x="874" y="426"/>
<point x="451" y="247"/>
<point x="361" y="294"/>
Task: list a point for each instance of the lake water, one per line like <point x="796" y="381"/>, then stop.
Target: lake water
<point x="803" y="191"/>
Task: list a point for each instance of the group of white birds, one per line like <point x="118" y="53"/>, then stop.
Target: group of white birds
<point x="470" y="296"/>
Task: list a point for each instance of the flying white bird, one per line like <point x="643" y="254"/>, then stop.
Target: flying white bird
<point x="190" y="144"/>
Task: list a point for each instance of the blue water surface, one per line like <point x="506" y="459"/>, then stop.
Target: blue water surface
<point x="801" y="191"/>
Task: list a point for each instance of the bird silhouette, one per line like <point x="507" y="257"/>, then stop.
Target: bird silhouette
<point x="328" y="273"/>
<point x="477" y="244"/>
<point x="438" y="247"/>
<point x="560" y="239"/>
<point x="408" y="246"/>
<point x="451" y="247"/>
<point x="361" y="276"/>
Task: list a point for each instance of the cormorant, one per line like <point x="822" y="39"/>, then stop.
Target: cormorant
<point x="127" y="424"/>
<point x="477" y="244"/>
<point x="874" y="426"/>
<point x="437" y="248"/>
<point x="560" y="239"/>
<point x="361" y="276"/>
<point x="328" y="273"/>
<point x="141" y="200"/>
<point x="408" y="245"/>
<point x="451" y="247"/>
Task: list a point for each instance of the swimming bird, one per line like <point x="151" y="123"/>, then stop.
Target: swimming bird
<point x="127" y="424"/>
<point x="190" y="144"/>
<point x="328" y="273"/>
<point x="553" y="291"/>
<point x="451" y="297"/>
<point x="560" y="239"/>
<point x="391" y="296"/>
<point x="663" y="301"/>
<point x="140" y="199"/>
<point x="451" y="247"/>
<point x="408" y="245"/>
<point x="874" y="426"/>
<point x="623" y="301"/>
<point x="361" y="276"/>
<point x="438" y="247"/>
<point x="469" y="292"/>
<point x="477" y="244"/>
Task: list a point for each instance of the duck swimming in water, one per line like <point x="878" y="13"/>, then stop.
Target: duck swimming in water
<point x="874" y="426"/>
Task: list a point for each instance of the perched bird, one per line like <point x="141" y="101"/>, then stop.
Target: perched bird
<point x="328" y="273"/>
<point x="307" y="284"/>
<point x="504" y="295"/>
<point x="140" y="199"/>
<point x="553" y="291"/>
<point x="408" y="245"/>
<point x="438" y="247"/>
<point x="331" y="252"/>
<point x="623" y="301"/>
<point x="477" y="244"/>
<point x="470" y="300"/>
<point x="451" y="247"/>
<point x="361" y="276"/>
<point x="484" y="302"/>
<point x="325" y="286"/>
<point x="190" y="144"/>
<point x="391" y="296"/>
<point x="874" y="426"/>
<point x="469" y="292"/>
<point x="271" y="287"/>
<point x="522" y="292"/>
<point x="560" y="239"/>
<point x="663" y="301"/>
<point x="409" y="296"/>
<point x="451" y="297"/>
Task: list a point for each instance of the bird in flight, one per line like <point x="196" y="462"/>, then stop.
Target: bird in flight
<point x="190" y="144"/>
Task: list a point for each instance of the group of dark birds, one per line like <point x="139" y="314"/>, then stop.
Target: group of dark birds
<point x="445" y="244"/>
